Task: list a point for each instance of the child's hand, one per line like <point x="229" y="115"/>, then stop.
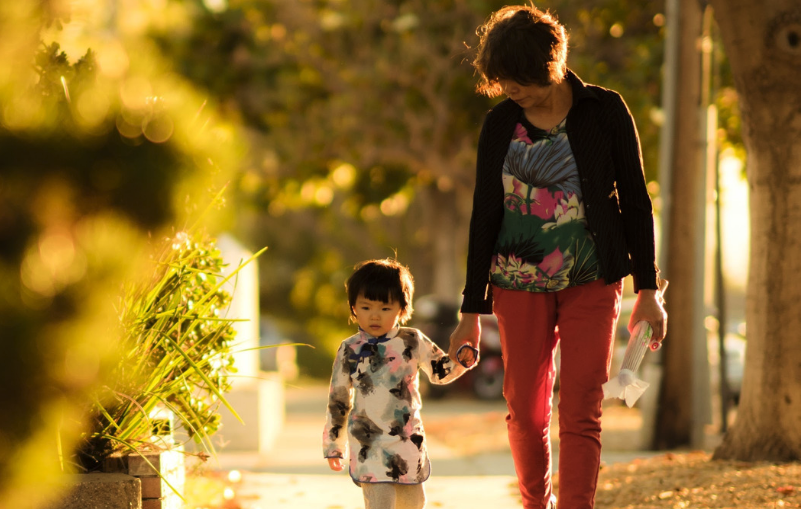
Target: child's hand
<point x="335" y="464"/>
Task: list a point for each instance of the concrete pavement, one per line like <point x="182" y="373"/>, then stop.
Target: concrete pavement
<point x="295" y="475"/>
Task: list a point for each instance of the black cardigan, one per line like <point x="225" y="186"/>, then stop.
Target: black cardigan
<point x="619" y="213"/>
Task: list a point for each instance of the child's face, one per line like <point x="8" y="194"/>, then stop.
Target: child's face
<point x="376" y="317"/>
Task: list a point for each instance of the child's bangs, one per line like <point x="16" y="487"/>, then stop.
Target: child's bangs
<point x="381" y="291"/>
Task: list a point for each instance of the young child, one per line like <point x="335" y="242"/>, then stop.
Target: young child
<point x="374" y="389"/>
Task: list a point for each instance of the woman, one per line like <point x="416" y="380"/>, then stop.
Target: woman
<point x="561" y="215"/>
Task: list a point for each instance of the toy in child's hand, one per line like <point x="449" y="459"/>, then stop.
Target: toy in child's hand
<point x="467" y="355"/>
<point x="626" y="385"/>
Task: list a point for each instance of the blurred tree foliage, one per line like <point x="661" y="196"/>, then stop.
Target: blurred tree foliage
<point x="98" y="154"/>
<point x="363" y="123"/>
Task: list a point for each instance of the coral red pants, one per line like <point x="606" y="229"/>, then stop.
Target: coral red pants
<point x="583" y="320"/>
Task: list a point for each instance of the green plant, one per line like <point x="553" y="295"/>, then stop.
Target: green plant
<point x="81" y="193"/>
<point x="176" y="353"/>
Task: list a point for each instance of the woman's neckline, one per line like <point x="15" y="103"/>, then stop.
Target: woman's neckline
<point x="547" y="132"/>
<point x="565" y="91"/>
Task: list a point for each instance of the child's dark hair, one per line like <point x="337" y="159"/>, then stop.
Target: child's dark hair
<point x="384" y="280"/>
<point x="523" y="44"/>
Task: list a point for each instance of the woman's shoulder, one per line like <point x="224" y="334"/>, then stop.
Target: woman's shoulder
<point x="504" y="114"/>
<point x="608" y="103"/>
<point x="583" y="90"/>
<point x="607" y="96"/>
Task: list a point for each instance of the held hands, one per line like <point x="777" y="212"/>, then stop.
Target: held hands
<point x="335" y="464"/>
<point x="649" y="307"/>
<point x="467" y="332"/>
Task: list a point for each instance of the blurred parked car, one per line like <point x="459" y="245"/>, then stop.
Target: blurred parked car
<point x="437" y="318"/>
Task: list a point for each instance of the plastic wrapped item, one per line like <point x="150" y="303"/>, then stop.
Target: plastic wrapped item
<point x="626" y="385"/>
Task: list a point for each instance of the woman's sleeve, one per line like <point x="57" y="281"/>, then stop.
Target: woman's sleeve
<point x="340" y="402"/>
<point x="487" y="211"/>
<point x="635" y="203"/>
<point x="439" y="367"/>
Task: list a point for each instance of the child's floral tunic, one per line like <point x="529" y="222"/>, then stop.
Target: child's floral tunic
<point x="374" y="389"/>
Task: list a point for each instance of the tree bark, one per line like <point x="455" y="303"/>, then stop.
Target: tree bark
<point x="446" y="233"/>
<point x="764" y="47"/>
<point x="674" y="421"/>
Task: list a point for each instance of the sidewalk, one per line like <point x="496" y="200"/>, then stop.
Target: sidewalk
<point x="295" y="475"/>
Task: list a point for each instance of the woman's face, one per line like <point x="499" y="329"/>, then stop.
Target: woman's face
<point x="526" y="96"/>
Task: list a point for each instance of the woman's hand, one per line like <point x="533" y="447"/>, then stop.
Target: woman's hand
<point x="648" y="307"/>
<point x="468" y="331"/>
<point x="335" y="464"/>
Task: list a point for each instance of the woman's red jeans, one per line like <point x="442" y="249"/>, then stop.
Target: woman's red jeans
<point x="583" y="320"/>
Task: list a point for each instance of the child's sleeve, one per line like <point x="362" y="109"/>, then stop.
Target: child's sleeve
<point x="439" y="367"/>
<point x="340" y="401"/>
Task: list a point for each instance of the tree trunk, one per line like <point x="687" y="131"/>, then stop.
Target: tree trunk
<point x="764" y="47"/>
<point x="674" y="421"/>
<point x="444" y="227"/>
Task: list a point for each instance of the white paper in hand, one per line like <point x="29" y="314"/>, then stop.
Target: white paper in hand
<point x="626" y="385"/>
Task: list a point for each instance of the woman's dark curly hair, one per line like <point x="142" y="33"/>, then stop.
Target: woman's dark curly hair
<point x="523" y="44"/>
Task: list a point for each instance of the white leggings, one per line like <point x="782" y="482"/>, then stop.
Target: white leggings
<point x="393" y="496"/>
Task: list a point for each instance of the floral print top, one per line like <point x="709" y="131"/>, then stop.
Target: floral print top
<point x="374" y="391"/>
<point x="544" y="244"/>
